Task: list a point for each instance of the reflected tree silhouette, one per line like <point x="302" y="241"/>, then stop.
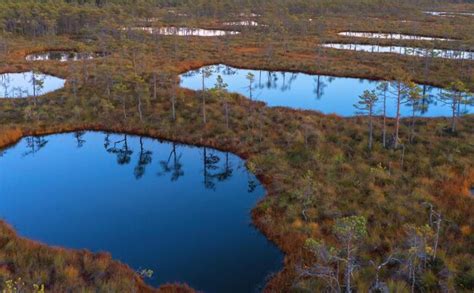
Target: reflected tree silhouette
<point x="37" y="83"/>
<point x="122" y="150"/>
<point x="10" y="91"/>
<point x="427" y="98"/>
<point x="107" y="141"/>
<point x="172" y="164"/>
<point x="5" y="81"/>
<point x="34" y="145"/>
<point x="79" y="136"/>
<point x="286" y="85"/>
<point x="144" y="159"/>
<point x="190" y="73"/>
<point x="212" y="173"/>
<point x="319" y="88"/>
<point x="252" y="184"/>
<point x="292" y="78"/>
<point x="226" y="171"/>
<point x="260" y="84"/>
<point x="229" y="71"/>
<point x="210" y="161"/>
<point x="272" y="79"/>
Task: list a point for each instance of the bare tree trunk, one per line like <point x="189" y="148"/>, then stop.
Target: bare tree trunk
<point x="84" y="71"/>
<point x="34" y="89"/>
<point x="123" y="109"/>
<point x="349" y="268"/>
<point x="397" y="125"/>
<point x="204" y="108"/>
<point x="34" y="85"/>
<point x="173" y="106"/>
<point x="226" y="108"/>
<point x="403" y="156"/>
<point x="140" y="113"/>
<point x="154" y="86"/>
<point x="438" y="228"/>
<point x="453" y="118"/>
<point x="412" y="134"/>
<point x="74" y="88"/>
<point x="370" y="127"/>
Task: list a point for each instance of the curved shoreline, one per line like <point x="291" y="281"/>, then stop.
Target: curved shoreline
<point x="264" y="180"/>
<point x="303" y="59"/>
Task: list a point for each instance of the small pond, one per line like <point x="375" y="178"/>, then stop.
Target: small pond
<point x="63" y="56"/>
<point x="181" y="211"/>
<point x="390" y="36"/>
<point x="25" y="84"/>
<point x="186" y="31"/>
<point x="449" y="14"/>
<point x="242" y="23"/>
<point x="327" y="94"/>
<point x="410" y="51"/>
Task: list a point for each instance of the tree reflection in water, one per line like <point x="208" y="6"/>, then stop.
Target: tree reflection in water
<point x="117" y="192"/>
<point x="172" y="165"/>
<point x="79" y="135"/>
<point x="34" y="144"/>
<point x="323" y="93"/>
<point x="144" y="158"/>
<point x="319" y="87"/>
<point x="121" y="149"/>
<point x="216" y="166"/>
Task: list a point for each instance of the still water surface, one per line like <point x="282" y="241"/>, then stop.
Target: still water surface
<point x="25" y="84"/>
<point x="186" y="31"/>
<point x="327" y="94"/>
<point x="182" y="211"/>
<point x="401" y="50"/>
<point x="62" y="56"/>
<point x="391" y="36"/>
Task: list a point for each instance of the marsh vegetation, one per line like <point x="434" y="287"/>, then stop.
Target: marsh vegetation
<point x="373" y="198"/>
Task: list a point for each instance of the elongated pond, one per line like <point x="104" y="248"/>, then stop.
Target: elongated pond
<point x="449" y="14"/>
<point x="181" y="211"/>
<point x="409" y="51"/>
<point x="186" y="31"/>
<point x="25" y="84"/>
<point x="327" y="94"/>
<point x="242" y="23"/>
<point x="63" y="56"/>
<point x="391" y="36"/>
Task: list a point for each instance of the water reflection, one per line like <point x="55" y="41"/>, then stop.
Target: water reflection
<point x="391" y="36"/>
<point x="120" y="149"/>
<point x="34" y="145"/>
<point x="186" y="31"/>
<point x="63" y="56"/>
<point x="182" y="211"/>
<point x="22" y="85"/>
<point x="409" y="51"/>
<point x="242" y="23"/>
<point x="327" y="94"/>
<point x="448" y="14"/>
<point x="172" y="165"/>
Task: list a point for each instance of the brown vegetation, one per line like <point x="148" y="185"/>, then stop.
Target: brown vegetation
<point x="281" y="145"/>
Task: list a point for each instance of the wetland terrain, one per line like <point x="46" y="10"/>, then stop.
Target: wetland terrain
<point x="229" y="147"/>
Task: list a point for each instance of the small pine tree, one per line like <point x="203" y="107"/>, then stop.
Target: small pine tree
<point x="366" y="106"/>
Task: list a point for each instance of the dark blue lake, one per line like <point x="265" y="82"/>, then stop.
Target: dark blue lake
<point x="327" y="94"/>
<point x="182" y="211"/>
